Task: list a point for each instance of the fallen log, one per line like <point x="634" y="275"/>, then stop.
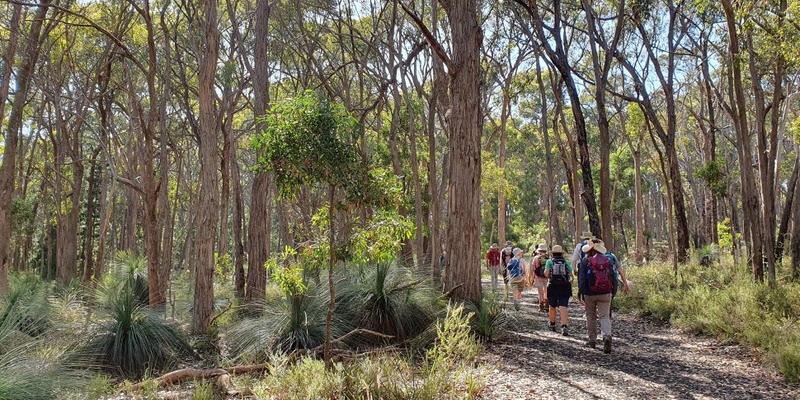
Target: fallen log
<point x="194" y="373"/>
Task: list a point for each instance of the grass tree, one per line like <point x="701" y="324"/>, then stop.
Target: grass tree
<point x="311" y="140"/>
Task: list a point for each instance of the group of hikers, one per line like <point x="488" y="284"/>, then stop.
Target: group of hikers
<point x="598" y="271"/>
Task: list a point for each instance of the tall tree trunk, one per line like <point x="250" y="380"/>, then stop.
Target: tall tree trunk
<point x="787" y="213"/>
<point x="438" y="101"/>
<point x="209" y="194"/>
<point x="749" y="192"/>
<point x="8" y="169"/>
<point x="418" y="217"/>
<point x="91" y="204"/>
<point x="260" y="209"/>
<point x="552" y="210"/>
<point x="463" y="280"/>
<point x="501" y="163"/>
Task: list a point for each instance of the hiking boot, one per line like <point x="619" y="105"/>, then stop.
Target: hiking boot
<point x="564" y="330"/>
<point x="607" y="344"/>
<point x="553" y="326"/>
<point x="591" y="344"/>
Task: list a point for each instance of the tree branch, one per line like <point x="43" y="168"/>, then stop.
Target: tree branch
<point x="437" y="47"/>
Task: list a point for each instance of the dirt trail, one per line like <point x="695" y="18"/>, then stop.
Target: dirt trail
<point x="648" y="361"/>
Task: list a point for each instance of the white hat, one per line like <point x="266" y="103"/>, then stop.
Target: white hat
<point x="516" y="251"/>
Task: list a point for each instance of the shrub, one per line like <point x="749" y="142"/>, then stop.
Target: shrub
<point x="132" y="339"/>
<point x="724" y="302"/>
<point x="386" y="298"/>
<point x="288" y="324"/>
<point x="489" y="318"/>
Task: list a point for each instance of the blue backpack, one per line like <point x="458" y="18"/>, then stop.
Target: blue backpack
<point x="614" y="271"/>
<point x="513" y="268"/>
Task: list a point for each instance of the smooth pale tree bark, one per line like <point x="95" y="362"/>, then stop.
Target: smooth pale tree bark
<point x="260" y="209"/>
<point x="208" y="208"/>
<point x="15" y="119"/>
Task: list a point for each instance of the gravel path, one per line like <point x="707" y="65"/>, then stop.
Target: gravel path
<point x="648" y="361"/>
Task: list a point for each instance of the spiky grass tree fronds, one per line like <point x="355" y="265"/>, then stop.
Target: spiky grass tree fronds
<point x="489" y="319"/>
<point x="29" y="365"/>
<point x="132" y="339"/>
<point x="389" y="299"/>
<point x="25" y="305"/>
<point x="290" y="323"/>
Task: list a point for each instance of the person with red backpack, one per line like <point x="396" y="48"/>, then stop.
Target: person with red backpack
<point x="595" y="286"/>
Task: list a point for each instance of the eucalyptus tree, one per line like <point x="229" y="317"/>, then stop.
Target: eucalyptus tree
<point x="758" y="115"/>
<point x="260" y="209"/>
<point x="596" y="23"/>
<point x="554" y="40"/>
<point x="659" y="39"/>
<point x="506" y="50"/>
<point x="15" y="121"/>
<point x="208" y="214"/>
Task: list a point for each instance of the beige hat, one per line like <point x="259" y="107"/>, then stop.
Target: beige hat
<point x="508" y="243"/>
<point x="494" y="245"/>
<point x="597" y="245"/>
<point x="557" y="250"/>
<point x="542" y="247"/>
<point x="586" y="235"/>
<point x="516" y="251"/>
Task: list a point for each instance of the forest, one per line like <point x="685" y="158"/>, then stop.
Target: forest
<point x="186" y="183"/>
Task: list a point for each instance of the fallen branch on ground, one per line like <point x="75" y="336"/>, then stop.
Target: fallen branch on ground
<point x="194" y="373"/>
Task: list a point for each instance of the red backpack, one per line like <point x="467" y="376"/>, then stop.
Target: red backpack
<point x="600" y="274"/>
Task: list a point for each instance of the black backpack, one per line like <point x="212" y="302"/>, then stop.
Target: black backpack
<point x="559" y="275"/>
<point x="506" y="255"/>
<point x="539" y="271"/>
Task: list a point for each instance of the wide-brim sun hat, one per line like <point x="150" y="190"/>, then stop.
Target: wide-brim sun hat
<point x="557" y="250"/>
<point x="494" y="245"/>
<point x="542" y="247"/>
<point x="508" y="243"/>
<point x="598" y="246"/>
<point x="516" y="251"/>
<point x="586" y="235"/>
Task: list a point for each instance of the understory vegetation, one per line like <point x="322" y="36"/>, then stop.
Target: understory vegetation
<point x="394" y="337"/>
<point x="721" y="299"/>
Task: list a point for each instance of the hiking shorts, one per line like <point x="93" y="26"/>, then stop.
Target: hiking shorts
<point x="558" y="295"/>
<point x="518" y="282"/>
<point x="539" y="282"/>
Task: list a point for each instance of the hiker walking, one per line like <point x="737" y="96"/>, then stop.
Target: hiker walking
<point x="493" y="264"/>
<point x="577" y="254"/>
<point x="537" y="278"/>
<point x="516" y="273"/>
<point x="595" y="287"/>
<point x="506" y="254"/>
<point x="559" y="287"/>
